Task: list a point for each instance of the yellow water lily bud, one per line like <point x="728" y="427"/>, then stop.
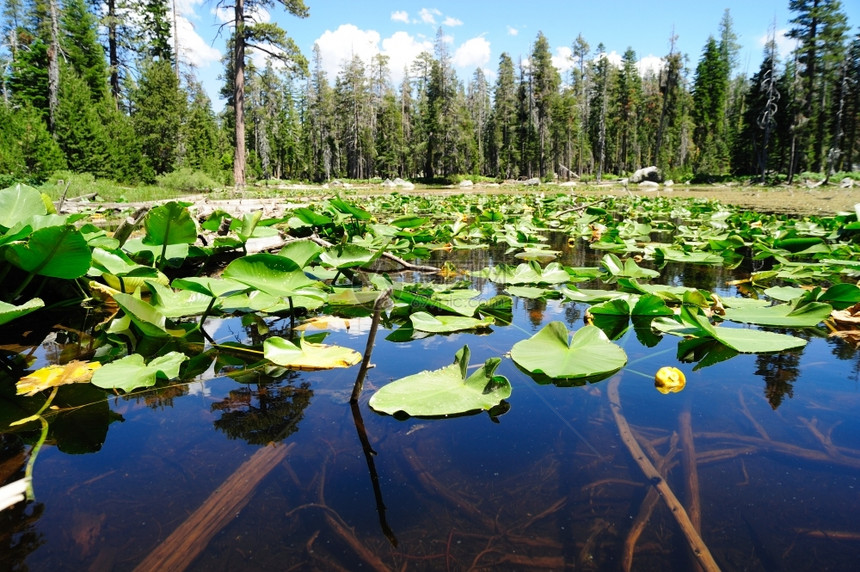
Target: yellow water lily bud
<point x="669" y="380"/>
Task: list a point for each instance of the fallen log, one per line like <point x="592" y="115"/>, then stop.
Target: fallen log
<point x="190" y="539"/>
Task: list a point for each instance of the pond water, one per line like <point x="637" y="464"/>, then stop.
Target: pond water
<point x="764" y="445"/>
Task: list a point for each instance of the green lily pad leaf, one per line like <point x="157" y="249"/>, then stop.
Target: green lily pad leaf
<point x="629" y="269"/>
<point x="841" y="296"/>
<point x="131" y="372"/>
<point x="145" y="316"/>
<point x="446" y="391"/>
<point x="19" y="203"/>
<point x="588" y="295"/>
<point x="178" y="304"/>
<point x="668" y="254"/>
<point x="409" y="221"/>
<point x="525" y="273"/>
<point x="551" y="353"/>
<point x="307" y="355"/>
<point x="170" y="223"/>
<point x="348" y="256"/>
<point x="9" y="312"/>
<point x="690" y="324"/>
<point x="56" y="251"/>
<point x="532" y="292"/>
<point x="274" y="275"/>
<point x="215" y="287"/>
<point x="783" y="315"/>
<point x="540" y="255"/>
<point x="302" y="252"/>
<point x="632" y="305"/>
<point x="445" y="324"/>
<point x="784" y="293"/>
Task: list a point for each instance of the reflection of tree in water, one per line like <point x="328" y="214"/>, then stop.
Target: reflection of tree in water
<point x="573" y="315"/>
<point x="779" y="371"/>
<point x="535" y="309"/>
<point x="262" y="413"/>
<point x="845" y="350"/>
<point x="18" y="537"/>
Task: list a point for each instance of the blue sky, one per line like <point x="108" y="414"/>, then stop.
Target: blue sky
<point x="478" y="31"/>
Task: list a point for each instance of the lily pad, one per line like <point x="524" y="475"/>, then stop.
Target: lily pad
<point x="9" y="312"/>
<point x="551" y="352"/>
<point x="131" y="372"/>
<point x="690" y="324"/>
<point x="446" y="391"/>
<point x="445" y="324"/>
<point x="783" y="315"/>
<point x="307" y="355"/>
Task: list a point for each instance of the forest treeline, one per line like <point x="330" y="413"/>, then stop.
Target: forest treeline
<point x="94" y="86"/>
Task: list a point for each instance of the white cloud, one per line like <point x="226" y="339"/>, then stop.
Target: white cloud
<point x="402" y="49"/>
<point x="562" y="60"/>
<point x="472" y="53"/>
<point x="784" y="44"/>
<point x="400" y="16"/>
<point x="347" y="41"/>
<point x="192" y="47"/>
<point x="452" y="22"/>
<point x="649" y="64"/>
<point x="341" y="45"/>
<point x="512" y="31"/>
<point x="428" y="16"/>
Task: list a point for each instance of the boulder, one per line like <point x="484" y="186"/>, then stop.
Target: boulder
<point x="646" y="174"/>
<point x="466" y="183"/>
<point x="649" y="185"/>
<point x="533" y="182"/>
<point x="401" y="184"/>
<point x="846" y="183"/>
<point x="668" y="183"/>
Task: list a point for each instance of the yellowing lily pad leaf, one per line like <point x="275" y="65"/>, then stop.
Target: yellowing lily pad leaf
<point x="445" y="391"/>
<point x="56" y="375"/>
<point x="307" y="355"/>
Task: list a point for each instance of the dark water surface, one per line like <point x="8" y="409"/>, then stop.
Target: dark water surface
<point x="550" y="486"/>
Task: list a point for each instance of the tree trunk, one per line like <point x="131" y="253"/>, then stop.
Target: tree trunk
<point x="53" y="66"/>
<point x="239" y="96"/>
<point x="113" y="55"/>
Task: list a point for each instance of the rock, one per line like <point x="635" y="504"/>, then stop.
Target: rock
<point x="846" y="183"/>
<point x="337" y="183"/>
<point x="401" y="184"/>
<point x="533" y="182"/>
<point x="466" y="183"/>
<point x="668" y="183"/>
<point x="646" y="174"/>
<point x="649" y="185"/>
<point x="568" y="184"/>
<point x="388" y="184"/>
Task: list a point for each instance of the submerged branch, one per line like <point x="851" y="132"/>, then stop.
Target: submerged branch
<point x="699" y="548"/>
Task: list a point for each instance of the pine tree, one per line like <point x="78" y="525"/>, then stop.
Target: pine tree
<point x="628" y="98"/>
<point x="27" y="151"/>
<point x="502" y="148"/>
<point x="545" y="84"/>
<point x="259" y="35"/>
<point x="81" y="48"/>
<point x="709" y="107"/>
<point x="80" y="131"/>
<point x="599" y="105"/>
<point x="581" y="86"/>
<point x="819" y="27"/>
<point x="157" y="107"/>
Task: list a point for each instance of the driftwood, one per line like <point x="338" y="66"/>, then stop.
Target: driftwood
<point x="691" y="473"/>
<point x="698" y="547"/>
<point x="183" y="546"/>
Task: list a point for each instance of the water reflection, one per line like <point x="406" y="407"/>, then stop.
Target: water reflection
<point x="263" y="413"/>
